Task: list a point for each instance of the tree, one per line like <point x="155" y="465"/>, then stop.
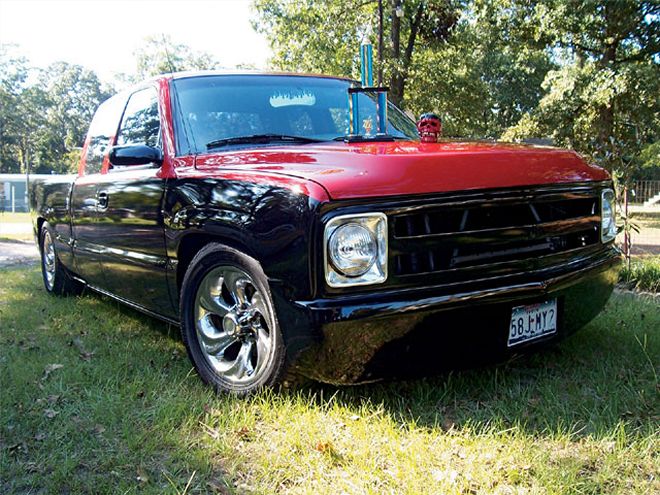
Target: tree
<point x="160" y="55"/>
<point x="604" y="98"/>
<point x="323" y="36"/>
<point x="456" y="58"/>
<point x="70" y="96"/>
<point x="485" y="77"/>
<point x="13" y="76"/>
<point x="43" y="124"/>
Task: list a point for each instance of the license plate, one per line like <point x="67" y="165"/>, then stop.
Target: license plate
<point x="532" y="322"/>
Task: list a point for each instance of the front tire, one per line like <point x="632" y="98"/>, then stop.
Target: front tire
<point x="228" y="322"/>
<point x="56" y="278"/>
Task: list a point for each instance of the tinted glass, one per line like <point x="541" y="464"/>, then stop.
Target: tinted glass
<point x="218" y="107"/>
<point x="102" y="132"/>
<point x="141" y="124"/>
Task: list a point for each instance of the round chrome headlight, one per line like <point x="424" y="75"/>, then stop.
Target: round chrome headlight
<point x="352" y="249"/>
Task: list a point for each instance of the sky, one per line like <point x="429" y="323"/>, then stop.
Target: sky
<point x="102" y="35"/>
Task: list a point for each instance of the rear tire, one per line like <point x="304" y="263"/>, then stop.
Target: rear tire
<point x="228" y="322"/>
<point x="57" y="279"/>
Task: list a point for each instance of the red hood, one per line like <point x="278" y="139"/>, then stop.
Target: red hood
<point x="362" y="170"/>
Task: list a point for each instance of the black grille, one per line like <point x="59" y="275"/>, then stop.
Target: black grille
<point x="439" y="237"/>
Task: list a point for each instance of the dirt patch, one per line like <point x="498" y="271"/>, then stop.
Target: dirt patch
<point x="18" y="253"/>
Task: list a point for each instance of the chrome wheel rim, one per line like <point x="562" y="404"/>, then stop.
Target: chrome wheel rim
<point x="48" y="256"/>
<point x="233" y="325"/>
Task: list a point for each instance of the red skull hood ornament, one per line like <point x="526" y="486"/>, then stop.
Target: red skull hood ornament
<point x="429" y="127"/>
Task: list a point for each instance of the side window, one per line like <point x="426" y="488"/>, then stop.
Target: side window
<point x="141" y="124"/>
<point x="102" y="132"/>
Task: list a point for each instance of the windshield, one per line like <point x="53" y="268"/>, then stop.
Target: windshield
<point x="212" y="108"/>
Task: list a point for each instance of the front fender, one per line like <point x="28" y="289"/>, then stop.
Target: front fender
<point x="272" y="222"/>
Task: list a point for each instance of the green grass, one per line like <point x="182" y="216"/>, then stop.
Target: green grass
<point x="643" y="274"/>
<point x="17" y="237"/>
<point x="14" y="218"/>
<point x="126" y="414"/>
<point x="8" y="217"/>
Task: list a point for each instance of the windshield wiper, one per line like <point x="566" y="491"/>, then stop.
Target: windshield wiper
<point x="260" y="139"/>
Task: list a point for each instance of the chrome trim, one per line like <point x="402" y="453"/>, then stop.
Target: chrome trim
<point x="382" y="257"/>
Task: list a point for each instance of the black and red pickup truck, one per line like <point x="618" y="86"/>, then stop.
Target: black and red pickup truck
<point x="238" y="207"/>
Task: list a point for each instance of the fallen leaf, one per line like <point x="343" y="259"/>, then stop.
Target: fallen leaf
<point x="98" y="429"/>
<point x="325" y="447"/>
<point x="448" y="424"/>
<point x="212" y="432"/>
<point x="51" y="413"/>
<point x="18" y="448"/>
<point x="86" y="356"/>
<point x="243" y="432"/>
<point x="49" y="369"/>
<point x="39" y="437"/>
<point x="141" y="475"/>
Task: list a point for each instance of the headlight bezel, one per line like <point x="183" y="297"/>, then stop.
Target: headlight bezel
<point x="376" y="223"/>
<point x="607" y="232"/>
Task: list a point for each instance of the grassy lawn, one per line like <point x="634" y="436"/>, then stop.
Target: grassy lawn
<point x="97" y="399"/>
<point x="9" y="234"/>
<point x="8" y="217"/>
<point x="643" y="273"/>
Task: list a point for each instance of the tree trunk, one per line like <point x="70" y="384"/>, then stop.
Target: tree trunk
<point x="606" y="111"/>
<point x="401" y="64"/>
<point x="396" y="82"/>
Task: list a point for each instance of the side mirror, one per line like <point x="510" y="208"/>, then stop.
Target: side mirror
<point x="135" y="154"/>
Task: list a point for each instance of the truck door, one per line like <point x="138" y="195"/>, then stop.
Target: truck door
<point x="130" y="222"/>
<point x="84" y="197"/>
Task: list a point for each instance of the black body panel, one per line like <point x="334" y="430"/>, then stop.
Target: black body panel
<point x="271" y="223"/>
<point x="131" y="240"/>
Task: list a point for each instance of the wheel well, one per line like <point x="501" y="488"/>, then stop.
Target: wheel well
<point x="191" y="244"/>
<point x="40" y="223"/>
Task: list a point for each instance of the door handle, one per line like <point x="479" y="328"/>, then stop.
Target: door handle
<point x="102" y="200"/>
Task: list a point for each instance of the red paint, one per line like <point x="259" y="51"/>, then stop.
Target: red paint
<point x="105" y="166"/>
<point x="167" y="129"/>
<point x="361" y="170"/>
<point x="83" y="156"/>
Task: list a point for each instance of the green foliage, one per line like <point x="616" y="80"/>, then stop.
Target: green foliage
<point x="642" y="274"/>
<point x="44" y="123"/>
<point x="323" y="36"/>
<point x="583" y="75"/>
<point x="604" y="99"/>
<point x="45" y="113"/>
<point x="648" y="162"/>
<point x="160" y="55"/>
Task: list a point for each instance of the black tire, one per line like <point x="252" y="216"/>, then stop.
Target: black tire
<point x="212" y="314"/>
<point x="57" y="279"/>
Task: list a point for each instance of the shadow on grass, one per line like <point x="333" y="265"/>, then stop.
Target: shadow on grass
<point x="586" y="384"/>
<point x="135" y="406"/>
